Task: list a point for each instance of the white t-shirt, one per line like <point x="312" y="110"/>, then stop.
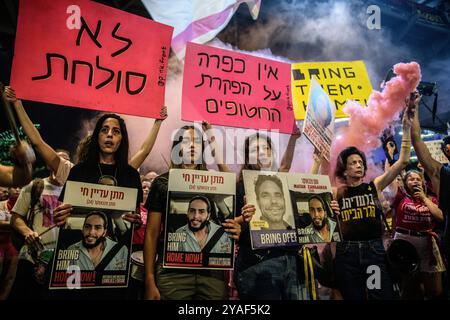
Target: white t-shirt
<point x="43" y="218"/>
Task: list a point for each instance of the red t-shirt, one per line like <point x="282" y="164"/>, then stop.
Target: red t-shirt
<point x="411" y="213"/>
<point x="139" y="234"/>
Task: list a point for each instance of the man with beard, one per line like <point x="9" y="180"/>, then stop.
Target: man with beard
<point x="95" y="245"/>
<point x="200" y="229"/>
<point x="321" y="229"/>
<point x="270" y="200"/>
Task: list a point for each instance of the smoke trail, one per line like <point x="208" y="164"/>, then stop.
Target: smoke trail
<point x="367" y="124"/>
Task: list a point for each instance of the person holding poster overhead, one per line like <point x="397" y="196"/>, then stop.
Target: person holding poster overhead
<point x="360" y="220"/>
<point x="266" y="274"/>
<point x="167" y="284"/>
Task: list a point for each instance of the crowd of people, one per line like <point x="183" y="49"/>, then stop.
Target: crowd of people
<point x="33" y="211"/>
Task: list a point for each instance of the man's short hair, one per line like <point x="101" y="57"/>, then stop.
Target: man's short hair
<point x="318" y="198"/>
<point x="263" y="178"/>
<point x="101" y="215"/>
<point x="202" y="198"/>
<point x="341" y="164"/>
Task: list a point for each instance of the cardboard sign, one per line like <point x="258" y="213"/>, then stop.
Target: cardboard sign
<point x="93" y="251"/>
<point x="291" y="209"/>
<point x="89" y="195"/>
<point x="235" y="89"/>
<point x="318" y="126"/>
<point x="341" y="81"/>
<point x="435" y="150"/>
<point x="83" y="54"/>
<point x="198" y="202"/>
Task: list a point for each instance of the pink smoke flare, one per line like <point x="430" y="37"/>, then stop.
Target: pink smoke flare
<point x="366" y="124"/>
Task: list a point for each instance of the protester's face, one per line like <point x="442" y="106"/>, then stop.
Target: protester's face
<point x="197" y="215"/>
<point x="446" y="151"/>
<point x="93" y="231"/>
<point x="191" y="146"/>
<point x="14" y="193"/>
<point x="110" y="136"/>
<point x="3" y="193"/>
<point x="146" y="188"/>
<point x="260" y="152"/>
<point x="271" y="202"/>
<point x="317" y="213"/>
<point x="355" y="167"/>
<point x="413" y="180"/>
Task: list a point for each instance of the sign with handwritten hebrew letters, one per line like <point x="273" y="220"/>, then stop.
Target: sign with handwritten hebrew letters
<point x="90" y="195"/>
<point x="235" y="89"/>
<point x="84" y="54"/>
<point x="436" y="152"/>
<point x="318" y="126"/>
<point x="199" y="202"/>
<point x="341" y="81"/>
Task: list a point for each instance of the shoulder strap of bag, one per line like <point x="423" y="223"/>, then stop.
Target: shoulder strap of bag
<point x="36" y="191"/>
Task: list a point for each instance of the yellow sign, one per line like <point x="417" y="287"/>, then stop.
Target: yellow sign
<point x="341" y="81"/>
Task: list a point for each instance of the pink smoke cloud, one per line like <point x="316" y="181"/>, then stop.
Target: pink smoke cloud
<point x="366" y="124"/>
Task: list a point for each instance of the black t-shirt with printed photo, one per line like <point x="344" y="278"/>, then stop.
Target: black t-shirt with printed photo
<point x="360" y="217"/>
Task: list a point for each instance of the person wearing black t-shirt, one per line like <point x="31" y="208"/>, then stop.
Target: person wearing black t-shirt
<point x="179" y="284"/>
<point x="106" y="163"/>
<point x="362" y="251"/>
<point x="264" y="274"/>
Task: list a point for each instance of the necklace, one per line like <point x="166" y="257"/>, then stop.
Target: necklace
<point x="106" y="179"/>
<point x="98" y="257"/>
<point x="202" y="241"/>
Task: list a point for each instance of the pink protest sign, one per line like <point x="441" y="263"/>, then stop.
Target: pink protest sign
<point x="235" y="89"/>
<point x="83" y="54"/>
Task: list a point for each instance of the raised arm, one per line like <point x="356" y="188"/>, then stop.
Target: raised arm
<point x="139" y="157"/>
<point x="47" y="153"/>
<point x="391" y="173"/>
<point x="317" y="161"/>
<point x="433" y="207"/>
<point x="288" y="156"/>
<point x="19" y="174"/>
<point x="431" y="166"/>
